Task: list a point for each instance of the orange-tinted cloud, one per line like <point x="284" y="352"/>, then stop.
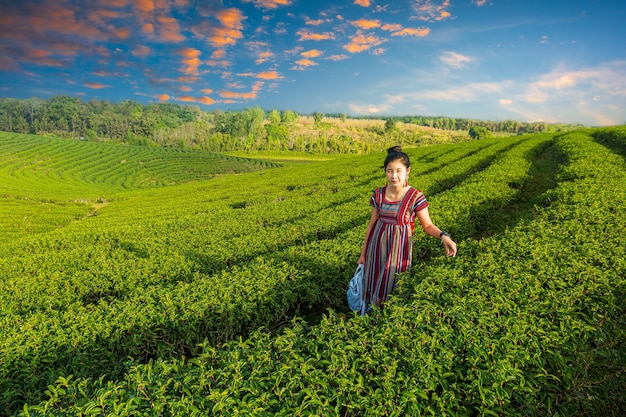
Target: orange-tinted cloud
<point x="147" y="28"/>
<point x="269" y="75"/>
<point x="206" y="100"/>
<point x="192" y="99"/>
<point x="264" y="56"/>
<point x="231" y="30"/>
<point x="162" y="97"/>
<point x="145" y="6"/>
<point x="313" y="53"/>
<point x="412" y="32"/>
<point x="340" y="57"/>
<point x="269" y="4"/>
<point x="141" y="51"/>
<point x="207" y="90"/>
<point x="218" y="54"/>
<point x="364" y="3"/>
<point x="315" y="22"/>
<point x="305" y="63"/>
<point x="191" y="60"/>
<point x="121" y="33"/>
<point x="154" y="17"/>
<point x="95" y="85"/>
<point x="366" y="23"/>
<point x="231" y="96"/>
<point x="185" y="88"/>
<point x="391" y="27"/>
<point x="237" y="95"/>
<point x="428" y="11"/>
<point x="169" y="30"/>
<point x="305" y="35"/>
<point x="361" y="42"/>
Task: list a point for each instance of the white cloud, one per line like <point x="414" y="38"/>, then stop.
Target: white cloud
<point x="454" y="59"/>
<point x="590" y="95"/>
<point x="369" y="108"/>
<point x="469" y="92"/>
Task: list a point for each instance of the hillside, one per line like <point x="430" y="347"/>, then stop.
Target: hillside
<point x="46" y="183"/>
<point x="188" y="299"/>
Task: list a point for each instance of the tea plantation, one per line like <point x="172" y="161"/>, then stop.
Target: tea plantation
<point x="159" y="282"/>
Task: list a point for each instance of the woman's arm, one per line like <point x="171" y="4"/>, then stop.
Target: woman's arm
<point x="367" y="234"/>
<point x="434" y="231"/>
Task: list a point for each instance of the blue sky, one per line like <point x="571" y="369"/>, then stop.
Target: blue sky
<point x="553" y="61"/>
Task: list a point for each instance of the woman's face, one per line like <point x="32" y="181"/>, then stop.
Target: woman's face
<point x="397" y="173"/>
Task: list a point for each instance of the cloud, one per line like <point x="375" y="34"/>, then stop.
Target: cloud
<point x="366" y="24"/>
<point x="237" y="95"/>
<point x="268" y="75"/>
<point x="141" y="51"/>
<point x="188" y="99"/>
<point x="315" y="22"/>
<point x="95" y="85"/>
<point x="269" y="4"/>
<point x="230" y="30"/>
<point x="364" y="3"/>
<point x="162" y="97"/>
<point x="430" y="10"/>
<point x="169" y="29"/>
<point x="206" y="100"/>
<point x="264" y="56"/>
<point x="420" y="32"/>
<point x="313" y="53"/>
<point x="305" y="63"/>
<point x="366" y="109"/>
<point x="392" y="27"/>
<point x="306" y="35"/>
<point x="361" y="42"/>
<point x="544" y="89"/>
<point x="454" y="59"/>
<point x="191" y="60"/>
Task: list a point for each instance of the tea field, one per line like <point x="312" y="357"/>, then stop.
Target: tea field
<point x="160" y="282"/>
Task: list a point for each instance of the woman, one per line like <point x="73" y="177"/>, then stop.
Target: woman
<point x="388" y="247"/>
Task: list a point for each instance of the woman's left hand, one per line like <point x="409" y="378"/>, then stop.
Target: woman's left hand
<point x="449" y="245"/>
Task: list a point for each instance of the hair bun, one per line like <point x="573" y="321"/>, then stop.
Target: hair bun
<point x="395" y="149"/>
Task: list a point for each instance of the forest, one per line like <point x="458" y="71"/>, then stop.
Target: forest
<point x="251" y="129"/>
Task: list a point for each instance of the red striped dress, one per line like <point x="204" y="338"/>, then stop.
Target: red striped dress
<point x="390" y="244"/>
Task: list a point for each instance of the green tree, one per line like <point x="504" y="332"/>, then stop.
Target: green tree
<point x="479" y="132"/>
<point x="390" y="125"/>
<point x="274" y="117"/>
<point x="317" y="118"/>
<point x="289" y="116"/>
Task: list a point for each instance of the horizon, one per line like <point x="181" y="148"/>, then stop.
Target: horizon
<point x="479" y="60"/>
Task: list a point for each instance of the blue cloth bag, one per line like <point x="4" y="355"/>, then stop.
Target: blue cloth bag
<point x="355" y="290"/>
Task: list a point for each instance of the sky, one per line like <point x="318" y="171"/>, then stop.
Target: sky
<point x="532" y="61"/>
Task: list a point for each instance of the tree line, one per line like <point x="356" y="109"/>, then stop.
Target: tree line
<point x="174" y="125"/>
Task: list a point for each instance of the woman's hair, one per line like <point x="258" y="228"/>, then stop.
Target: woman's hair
<point x="395" y="153"/>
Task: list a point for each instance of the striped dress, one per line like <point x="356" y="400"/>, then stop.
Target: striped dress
<point x="389" y="247"/>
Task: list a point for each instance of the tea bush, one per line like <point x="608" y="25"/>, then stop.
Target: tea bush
<point x="185" y="300"/>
